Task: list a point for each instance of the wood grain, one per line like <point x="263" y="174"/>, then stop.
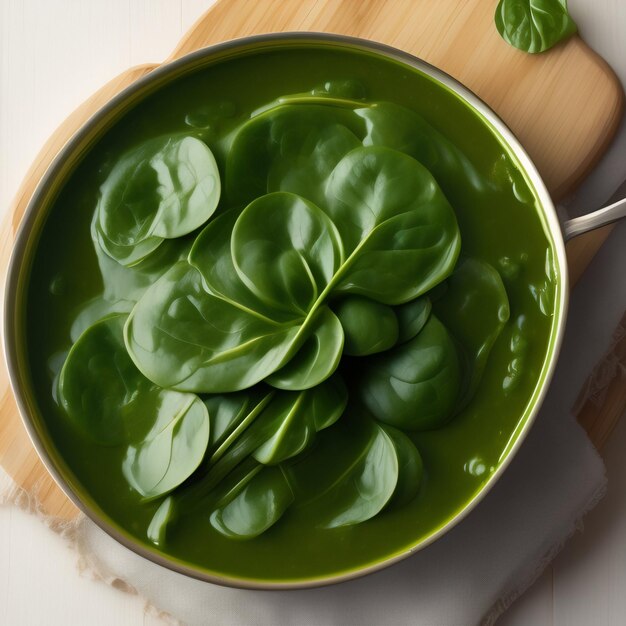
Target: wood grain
<point x="563" y="105"/>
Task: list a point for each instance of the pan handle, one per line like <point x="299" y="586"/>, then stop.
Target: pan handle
<point x="601" y="217"/>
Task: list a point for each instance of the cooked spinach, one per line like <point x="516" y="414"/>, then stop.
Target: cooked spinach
<point x="231" y="330"/>
<point x="167" y="431"/>
<point x="216" y="359"/>
<point x="163" y="189"/>
<point x="534" y="25"/>
<point x="415" y="386"/>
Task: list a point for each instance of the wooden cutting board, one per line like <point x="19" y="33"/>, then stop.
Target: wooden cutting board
<point x="564" y="105"/>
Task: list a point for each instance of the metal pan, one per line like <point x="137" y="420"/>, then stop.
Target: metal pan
<point x="558" y="231"/>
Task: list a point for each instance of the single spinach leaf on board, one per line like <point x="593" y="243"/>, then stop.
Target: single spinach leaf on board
<point x="350" y="477"/>
<point x="174" y="447"/>
<point x="475" y="309"/>
<point x="163" y="189"/>
<point x="534" y="25"/>
<point x="414" y="386"/>
<point x="258" y="506"/>
<point x="412" y="317"/>
<point x="369" y="326"/>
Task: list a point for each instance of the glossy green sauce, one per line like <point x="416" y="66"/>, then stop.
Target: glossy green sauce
<point x="499" y="223"/>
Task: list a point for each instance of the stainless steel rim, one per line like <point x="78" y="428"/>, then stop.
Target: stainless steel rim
<point x="175" y="68"/>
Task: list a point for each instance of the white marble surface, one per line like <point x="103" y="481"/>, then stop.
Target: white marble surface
<point x="66" y="49"/>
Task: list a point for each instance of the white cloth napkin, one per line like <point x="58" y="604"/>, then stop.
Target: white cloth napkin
<point x="470" y="575"/>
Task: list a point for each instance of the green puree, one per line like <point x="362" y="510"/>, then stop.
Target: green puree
<point x="499" y="224"/>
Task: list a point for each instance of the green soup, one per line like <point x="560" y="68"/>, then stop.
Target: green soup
<point x="499" y="222"/>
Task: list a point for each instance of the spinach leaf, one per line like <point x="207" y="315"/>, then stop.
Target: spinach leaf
<point x="286" y="251"/>
<point x="167" y="432"/>
<point x="534" y="25"/>
<point x="180" y="336"/>
<point x="399" y="234"/>
<point x="293" y="419"/>
<point x="410" y="467"/>
<point x="350" y="477"/>
<point x="164" y="516"/>
<point x="163" y="189"/>
<point x="393" y="126"/>
<point x="318" y="357"/>
<point x="255" y="427"/>
<point x="174" y="447"/>
<point x="281" y="426"/>
<point x="291" y="147"/>
<point x="100" y="388"/>
<point x="414" y="386"/>
<point x="93" y="311"/>
<point x="260" y="504"/>
<point x="240" y="427"/>
<point x="122" y="284"/>
<point x="475" y="309"/>
<point x="230" y="413"/>
<point x="211" y="256"/>
<point x="412" y="317"/>
<point x="369" y="326"/>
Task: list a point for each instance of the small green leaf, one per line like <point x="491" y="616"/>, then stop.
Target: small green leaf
<point x="415" y="385"/>
<point x="174" y="447"/>
<point x="475" y="309"/>
<point x="101" y="389"/>
<point x="291" y="147"/>
<point x="227" y="412"/>
<point x="399" y="239"/>
<point x="124" y="284"/>
<point x="369" y="326"/>
<point x="164" y="516"/>
<point x="412" y="317"/>
<point x="285" y="250"/>
<point x="293" y="418"/>
<point x="410" y="467"/>
<point x="211" y="256"/>
<point x="167" y="432"/>
<point x="393" y="126"/>
<point x="163" y="189"/>
<point x="534" y="25"/>
<point x="182" y="337"/>
<point x="259" y="505"/>
<point x="350" y="477"/>
<point x="318" y="357"/>
<point x="95" y="310"/>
